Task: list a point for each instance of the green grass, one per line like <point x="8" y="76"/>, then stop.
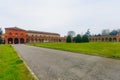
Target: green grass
<point x="106" y="49"/>
<point x="11" y="66"/>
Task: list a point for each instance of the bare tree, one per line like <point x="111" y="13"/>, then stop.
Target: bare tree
<point x="88" y="32"/>
<point x="105" y="32"/>
<point x="71" y="33"/>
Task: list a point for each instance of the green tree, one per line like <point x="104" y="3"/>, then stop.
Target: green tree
<point x="0" y="36"/>
<point x="68" y="40"/>
<point x="85" y="38"/>
<point x="78" y="38"/>
<point x="113" y="32"/>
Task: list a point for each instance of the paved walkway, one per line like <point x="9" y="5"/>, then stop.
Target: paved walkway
<point x="49" y="64"/>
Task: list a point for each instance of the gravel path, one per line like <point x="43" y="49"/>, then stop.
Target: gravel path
<point x="49" y="64"/>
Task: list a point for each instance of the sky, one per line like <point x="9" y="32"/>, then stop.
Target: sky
<point x="61" y="16"/>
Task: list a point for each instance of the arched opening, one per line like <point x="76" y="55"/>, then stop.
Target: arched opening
<point x="102" y="39"/>
<point x="96" y="39"/>
<point x="32" y="40"/>
<point x="39" y="40"/>
<point x="21" y="40"/>
<point x="10" y="41"/>
<point x="110" y="39"/>
<point x="35" y="39"/>
<point x="27" y="40"/>
<point x="16" y="41"/>
<point x="114" y="39"/>
<point x="106" y="39"/>
<point x="89" y="39"/>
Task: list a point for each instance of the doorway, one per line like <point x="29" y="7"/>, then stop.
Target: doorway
<point x="16" y="41"/>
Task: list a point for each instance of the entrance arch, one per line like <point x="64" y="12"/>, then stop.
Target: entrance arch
<point x="110" y="39"/>
<point x="106" y="39"/>
<point x="21" y="40"/>
<point x="114" y="39"/>
<point x="10" y="41"/>
<point x="16" y="41"/>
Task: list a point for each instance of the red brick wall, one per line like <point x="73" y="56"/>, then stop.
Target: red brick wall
<point x="19" y="34"/>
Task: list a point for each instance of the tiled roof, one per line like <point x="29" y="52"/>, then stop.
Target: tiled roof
<point x="15" y="28"/>
<point x="31" y="31"/>
<point x="40" y="32"/>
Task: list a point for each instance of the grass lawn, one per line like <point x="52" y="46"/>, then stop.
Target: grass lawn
<point x="11" y="66"/>
<point x="106" y="49"/>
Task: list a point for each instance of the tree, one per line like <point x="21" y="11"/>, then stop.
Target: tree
<point x="88" y="32"/>
<point x="85" y="38"/>
<point x="113" y="32"/>
<point x="68" y="40"/>
<point x="0" y="31"/>
<point x="71" y="33"/>
<point x="98" y="34"/>
<point x="78" y="38"/>
<point x="0" y="36"/>
<point x="105" y="32"/>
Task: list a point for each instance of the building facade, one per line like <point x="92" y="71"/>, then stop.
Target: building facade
<point x="0" y="38"/>
<point x="37" y="36"/>
<point x="15" y="35"/>
<point x="105" y="38"/>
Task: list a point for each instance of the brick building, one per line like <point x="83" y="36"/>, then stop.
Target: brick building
<point x="15" y="35"/>
<point x="105" y="38"/>
<point x="37" y="36"/>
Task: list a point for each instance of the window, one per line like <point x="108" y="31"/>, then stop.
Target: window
<point x="16" y="34"/>
<point x="10" y="34"/>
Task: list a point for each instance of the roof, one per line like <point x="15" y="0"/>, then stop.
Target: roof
<point x="31" y="31"/>
<point x="15" y="28"/>
<point x="40" y="32"/>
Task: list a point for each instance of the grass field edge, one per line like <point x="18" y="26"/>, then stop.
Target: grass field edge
<point x="31" y="72"/>
<point x="93" y="54"/>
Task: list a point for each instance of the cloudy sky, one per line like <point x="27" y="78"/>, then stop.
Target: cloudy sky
<point x="61" y="16"/>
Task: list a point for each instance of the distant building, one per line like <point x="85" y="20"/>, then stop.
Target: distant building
<point x="108" y="38"/>
<point x="37" y="36"/>
<point x="15" y="35"/>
